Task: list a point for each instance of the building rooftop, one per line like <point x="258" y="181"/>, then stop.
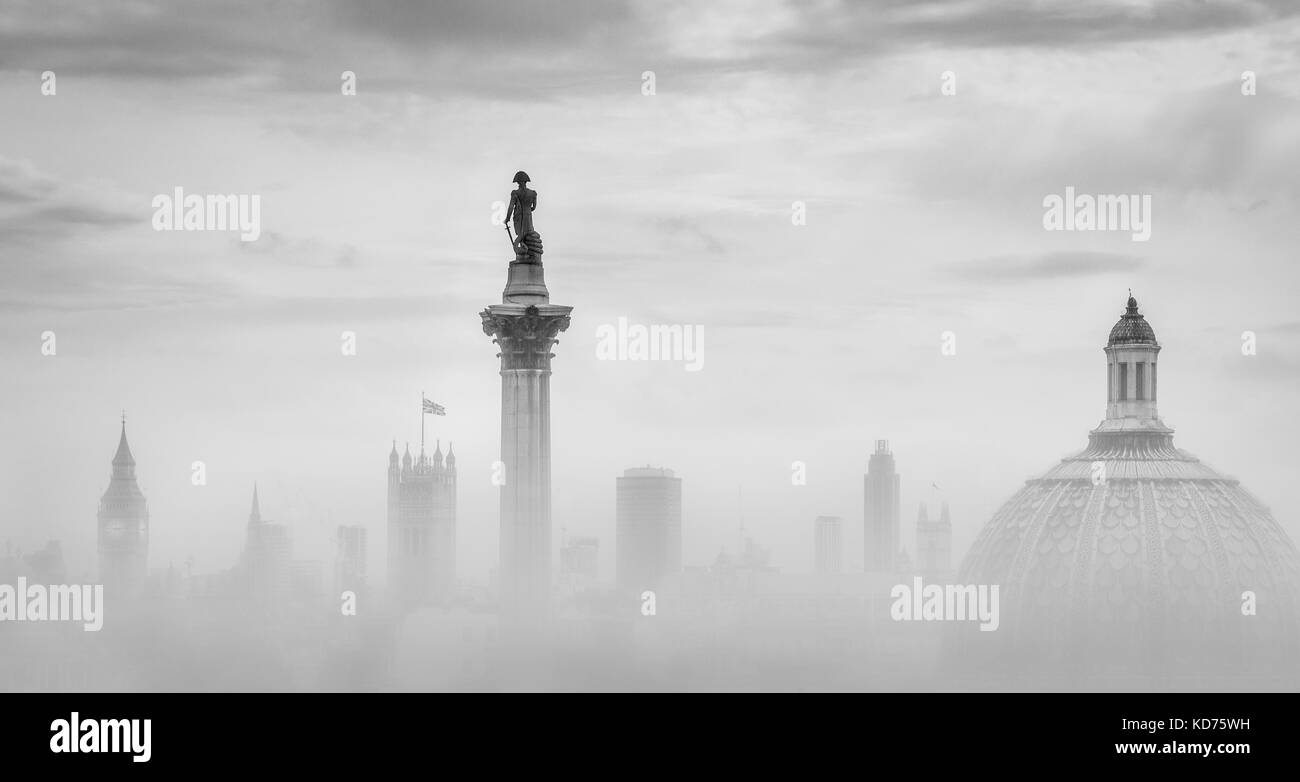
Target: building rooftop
<point x="647" y="472"/>
<point x="1132" y="328"/>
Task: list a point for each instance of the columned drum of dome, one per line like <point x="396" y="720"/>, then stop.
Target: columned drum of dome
<point x="1131" y="558"/>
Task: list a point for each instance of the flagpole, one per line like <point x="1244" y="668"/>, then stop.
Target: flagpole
<point x="421" y="422"/>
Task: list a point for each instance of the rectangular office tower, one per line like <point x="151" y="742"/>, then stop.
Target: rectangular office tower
<point x="881" y="510"/>
<point x="828" y="544"/>
<point x="648" y="542"/>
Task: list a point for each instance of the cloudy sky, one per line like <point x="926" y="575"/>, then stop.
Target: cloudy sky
<point x="924" y="215"/>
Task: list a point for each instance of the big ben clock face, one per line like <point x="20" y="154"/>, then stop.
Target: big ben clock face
<point x="115" y="529"/>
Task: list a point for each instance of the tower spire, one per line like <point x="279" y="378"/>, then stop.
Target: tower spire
<point x="255" y="514"/>
<point x="123" y="460"/>
<point x="123" y="522"/>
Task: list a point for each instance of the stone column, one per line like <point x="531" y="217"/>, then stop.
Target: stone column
<point x="525" y="326"/>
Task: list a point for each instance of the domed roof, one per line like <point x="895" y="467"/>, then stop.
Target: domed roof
<point x="1163" y="543"/>
<point x="1131" y="554"/>
<point x="1132" y="327"/>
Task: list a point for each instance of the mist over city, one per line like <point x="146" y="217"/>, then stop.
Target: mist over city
<point x="632" y="346"/>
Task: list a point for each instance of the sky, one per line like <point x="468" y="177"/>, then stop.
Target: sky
<point x="924" y="215"/>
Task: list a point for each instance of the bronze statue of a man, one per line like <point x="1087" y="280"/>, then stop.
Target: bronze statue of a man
<point x="527" y="242"/>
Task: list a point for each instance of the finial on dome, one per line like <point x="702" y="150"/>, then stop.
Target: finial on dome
<point x="1132" y="326"/>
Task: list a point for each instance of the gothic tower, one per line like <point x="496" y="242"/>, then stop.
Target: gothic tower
<point x="525" y="326"/>
<point x="123" y="525"/>
<point x="421" y="526"/>
<point x="933" y="542"/>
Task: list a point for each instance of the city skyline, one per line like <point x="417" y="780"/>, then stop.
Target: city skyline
<point x="1132" y="382"/>
<point x="855" y="279"/>
<point x="1130" y="392"/>
<point x="401" y="470"/>
<point x="924" y="215"/>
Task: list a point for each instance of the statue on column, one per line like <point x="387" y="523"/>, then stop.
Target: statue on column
<point x="526" y="241"/>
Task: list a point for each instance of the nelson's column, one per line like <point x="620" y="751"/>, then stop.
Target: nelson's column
<point x="525" y="325"/>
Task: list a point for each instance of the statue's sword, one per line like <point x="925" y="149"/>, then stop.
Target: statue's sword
<point x="513" y="243"/>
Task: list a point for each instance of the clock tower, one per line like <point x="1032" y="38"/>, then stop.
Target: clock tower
<point x="123" y="525"/>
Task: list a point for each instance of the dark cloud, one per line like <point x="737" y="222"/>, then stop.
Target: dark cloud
<point x="73" y="214"/>
<point x="536" y="50"/>
<point x="850" y="31"/>
<point x="1049" y="266"/>
<point x="32" y="205"/>
<point x="680" y="226"/>
<point x="1013" y="23"/>
<point x="509" y="24"/>
<point x="492" y="47"/>
<point x="21" y="184"/>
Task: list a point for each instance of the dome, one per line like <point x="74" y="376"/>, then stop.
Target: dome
<point x="1164" y="544"/>
<point x="1132" y="556"/>
<point x="1131" y="327"/>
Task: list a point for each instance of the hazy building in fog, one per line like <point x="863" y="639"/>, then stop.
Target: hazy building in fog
<point x="1133" y="557"/>
<point x="123" y="524"/>
<point x="579" y="556"/>
<point x="648" y="542"/>
<point x="421" y="526"/>
<point x="307" y="579"/>
<point x="828" y="544"/>
<point x="881" y="521"/>
<point x="267" y="563"/>
<point x="45" y="566"/>
<point x="933" y="541"/>
<point x="350" y="560"/>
